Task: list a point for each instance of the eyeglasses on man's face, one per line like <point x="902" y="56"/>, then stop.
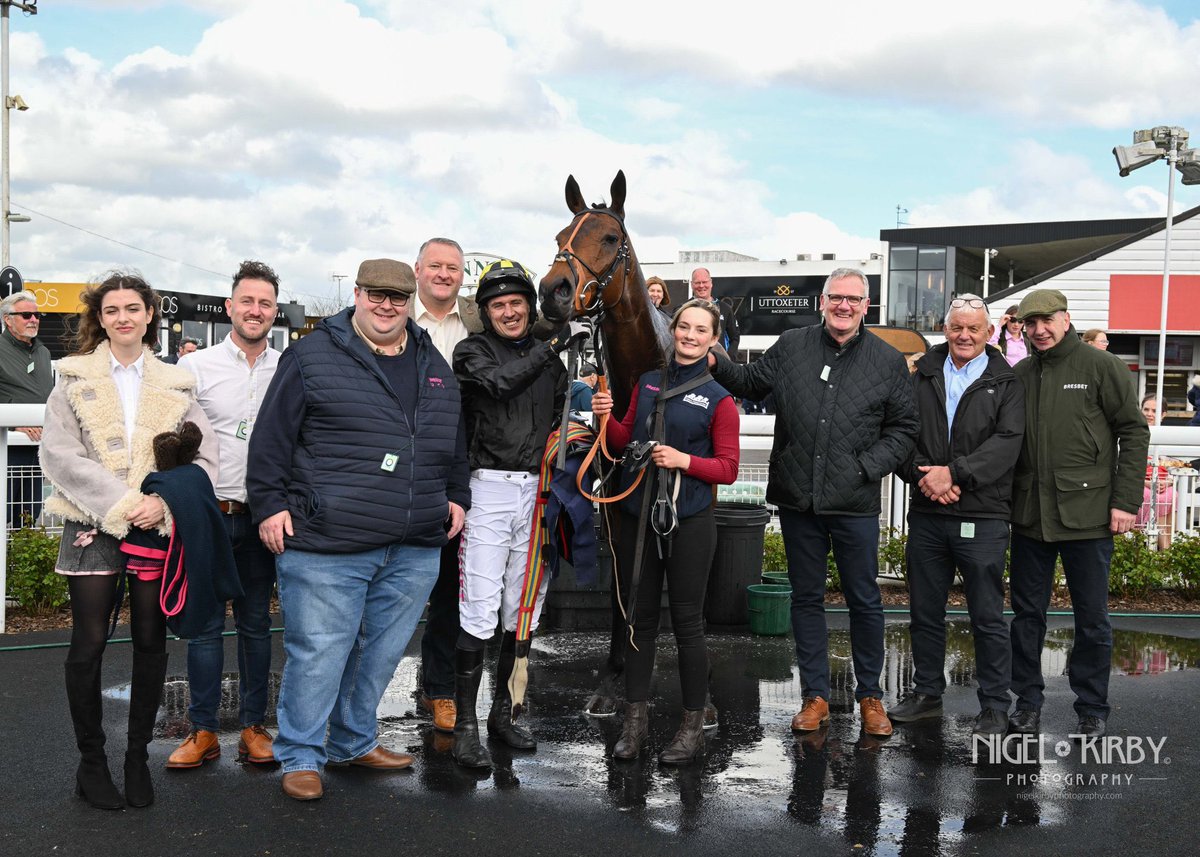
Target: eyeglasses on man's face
<point x="26" y="315"/>
<point x="397" y="299"/>
<point x="852" y="300"/>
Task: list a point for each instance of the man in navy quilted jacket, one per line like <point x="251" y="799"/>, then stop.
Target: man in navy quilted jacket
<point x="845" y="419"/>
<point x="359" y="475"/>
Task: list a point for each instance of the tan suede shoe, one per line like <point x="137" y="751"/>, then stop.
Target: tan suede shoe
<point x="811" y="715"/>
<point x="303" y="785"/>
<point x="874" y="719"/>
<point x="197" y="748"/>
<point x="255" y="746"/>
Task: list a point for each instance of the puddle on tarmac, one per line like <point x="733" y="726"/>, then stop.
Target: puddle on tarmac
<point x="918" y="792"/>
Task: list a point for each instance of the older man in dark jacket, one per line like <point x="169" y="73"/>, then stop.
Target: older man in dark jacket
<point x="357" y="473"/>
<point x="972" y="420"/>
<point x="845" y="418"/>
<point x="1077" y="483"/>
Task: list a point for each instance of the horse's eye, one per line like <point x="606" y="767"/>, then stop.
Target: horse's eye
<point x="610" y="238"/>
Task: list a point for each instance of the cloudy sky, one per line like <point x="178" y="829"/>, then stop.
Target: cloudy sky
<point x="315" y="133"/>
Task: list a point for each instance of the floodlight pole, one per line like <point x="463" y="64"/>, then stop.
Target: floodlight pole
<point x="1172" y="157"/>
<point x="4" y="134"/>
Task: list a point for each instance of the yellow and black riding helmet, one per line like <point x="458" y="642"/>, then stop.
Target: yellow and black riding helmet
<point x="506" y="277"/>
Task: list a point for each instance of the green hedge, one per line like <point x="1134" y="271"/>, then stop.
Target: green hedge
<point x="1136" y="571"/>
<point x="31" y="577"/>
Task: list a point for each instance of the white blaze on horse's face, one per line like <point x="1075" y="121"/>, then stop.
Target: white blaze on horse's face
<point x="509" y="315"/>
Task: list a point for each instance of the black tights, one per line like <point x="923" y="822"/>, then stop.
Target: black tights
<point x="686" y="574"/>
<point x="91" y="607"/>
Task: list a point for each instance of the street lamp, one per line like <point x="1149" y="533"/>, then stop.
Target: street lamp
<point x="29" y="7"/>
<point x="1149" y="145"/>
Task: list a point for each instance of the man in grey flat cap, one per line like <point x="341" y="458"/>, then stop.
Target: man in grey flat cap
<point x="358" y="471"/>
<point x="1078" y="482"/>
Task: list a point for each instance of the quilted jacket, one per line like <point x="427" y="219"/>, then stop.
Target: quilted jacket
<point x="844" y="417"/>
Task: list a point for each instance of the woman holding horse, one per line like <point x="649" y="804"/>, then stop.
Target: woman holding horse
<point x="695" y="424"/>
<point x="113" y="396"/>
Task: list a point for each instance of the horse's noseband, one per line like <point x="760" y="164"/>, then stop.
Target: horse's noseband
<point x="585" y="303"/>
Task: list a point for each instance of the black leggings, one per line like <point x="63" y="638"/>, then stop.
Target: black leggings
<point x="91" y="606"/>
<point x="686" y="572"/>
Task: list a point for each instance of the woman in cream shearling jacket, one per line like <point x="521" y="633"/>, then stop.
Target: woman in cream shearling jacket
<point x="111" y="398"/>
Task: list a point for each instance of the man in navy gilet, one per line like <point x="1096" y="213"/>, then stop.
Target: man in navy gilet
<point x="358" y="473"/>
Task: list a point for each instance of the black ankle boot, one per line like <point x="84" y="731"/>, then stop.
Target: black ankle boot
<point x="468" y="670"/>
<point x="633" y="732"/>
<point x="500" y="724"/>
<point x="149" y="673"/>
<point x="93" y="782"/>
<point x="688" y="741"/>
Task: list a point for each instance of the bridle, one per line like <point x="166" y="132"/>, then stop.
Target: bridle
<point x="590" y="291"/>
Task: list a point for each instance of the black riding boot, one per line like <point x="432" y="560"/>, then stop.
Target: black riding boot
<point x="149" y="673"/>
<point x="468" y="670"/>
<point x="93" y="782"/>
<point x="634" y="730"/>
<point x="500" y="723"/>
<point x="688" y="741"/>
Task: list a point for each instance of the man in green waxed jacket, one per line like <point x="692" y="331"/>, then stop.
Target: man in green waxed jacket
<point x="1078" y="482"/>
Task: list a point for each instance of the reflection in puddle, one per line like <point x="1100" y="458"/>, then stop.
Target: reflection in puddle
<point x="917" y="793"/>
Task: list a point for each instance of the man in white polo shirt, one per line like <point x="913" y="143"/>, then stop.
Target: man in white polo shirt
<point x="448" y="319"/>
<point x="231" y="380"/>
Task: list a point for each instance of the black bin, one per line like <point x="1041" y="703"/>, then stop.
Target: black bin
<point x="737" y="561"/>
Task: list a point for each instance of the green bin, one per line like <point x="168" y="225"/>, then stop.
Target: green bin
<point x="770" y="609"/>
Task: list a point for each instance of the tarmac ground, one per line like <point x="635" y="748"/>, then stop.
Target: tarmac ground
<point x="758" y="790"/>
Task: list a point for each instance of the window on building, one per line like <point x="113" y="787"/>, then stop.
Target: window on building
<point x="917" y="287"/>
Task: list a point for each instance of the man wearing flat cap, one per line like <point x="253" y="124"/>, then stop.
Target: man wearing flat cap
<point x="1078" y="482"/>
<point x="358" y="473"/>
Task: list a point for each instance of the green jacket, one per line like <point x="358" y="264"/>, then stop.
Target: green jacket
<point x="1085" y="443"/>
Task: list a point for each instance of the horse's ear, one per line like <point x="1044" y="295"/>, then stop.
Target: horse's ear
<point x="618" y="194"/>
<point x="574" y="196"/>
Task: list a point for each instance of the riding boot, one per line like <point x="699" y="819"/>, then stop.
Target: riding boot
<point x="93" y="782"/>
<point x="468" y="670"/>
<point x="500" y="723"/>
<point x="633" y="732"/>
<point x="688" y="742"/>
<point x="149" y="673"/>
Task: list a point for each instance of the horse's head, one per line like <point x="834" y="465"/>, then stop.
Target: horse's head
<point x="595" y="264"/>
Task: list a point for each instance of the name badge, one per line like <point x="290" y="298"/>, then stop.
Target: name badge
<point x="825" y="374"/>
<point x="389" y="462"/>
<point x="243" y="430"/>
<point x="967" y="530"/>
<point x="29" y="369"/>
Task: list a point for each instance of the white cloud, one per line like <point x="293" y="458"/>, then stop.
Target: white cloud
<point x="1041" y="184"/>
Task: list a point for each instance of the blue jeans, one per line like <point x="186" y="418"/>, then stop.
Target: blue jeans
<point x="1031" y="578"/>
<point x="252" y="618"/>
<point x="807" y="540"/>
<point x="347" y="620"/>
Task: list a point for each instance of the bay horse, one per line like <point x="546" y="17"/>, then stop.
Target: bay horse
<point x="596" y="275"/>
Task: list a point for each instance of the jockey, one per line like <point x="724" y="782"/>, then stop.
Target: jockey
<point x="513" y="390"/>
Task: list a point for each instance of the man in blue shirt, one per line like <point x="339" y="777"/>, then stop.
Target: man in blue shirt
<point x="972" y="410"/>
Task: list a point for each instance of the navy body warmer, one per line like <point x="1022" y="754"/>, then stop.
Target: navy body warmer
<point x="341" y="497"/>
<point x="687" y="427"/>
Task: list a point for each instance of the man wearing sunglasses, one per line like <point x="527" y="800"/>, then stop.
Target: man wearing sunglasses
<point x="25" y="379"/>
<point x="845" y="418"/>
<point x="358" y="475"/>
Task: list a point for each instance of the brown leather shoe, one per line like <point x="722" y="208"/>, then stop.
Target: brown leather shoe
<point x="811" y="715"/>
<point x="303" y="785"/>
<point x="255" y="746"/>
<point x="381" y="759"/>
<point x="874" y="719"/>
<point x="197" y="748"/>
<point x="444" y="712"/>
